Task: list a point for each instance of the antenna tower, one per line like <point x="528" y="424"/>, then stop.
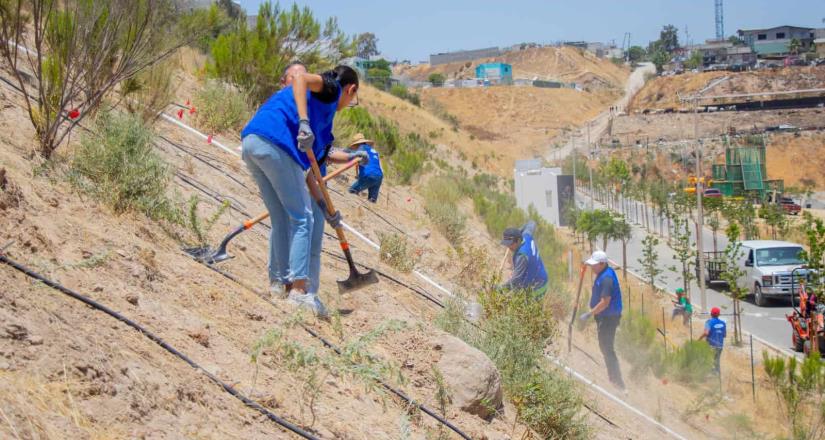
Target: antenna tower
<point x="720" y="20"/>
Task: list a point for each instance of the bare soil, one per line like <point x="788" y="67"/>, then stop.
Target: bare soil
<point x="664" y="92"/>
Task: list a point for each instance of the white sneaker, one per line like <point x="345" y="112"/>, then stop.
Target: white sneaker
<point x="309" y="301"/>
<point x="277" y="290"/>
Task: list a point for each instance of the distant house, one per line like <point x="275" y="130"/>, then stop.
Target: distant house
<point x="776" y="41"/>
<point x="715" y="52"/>
<point x="495" y="73"/>
<point x="819" y="43"/>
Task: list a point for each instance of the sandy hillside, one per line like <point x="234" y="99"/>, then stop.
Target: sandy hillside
<point x="798" y="159"/>
<point x="565" y="64"/>
<point x="662" y="92"/>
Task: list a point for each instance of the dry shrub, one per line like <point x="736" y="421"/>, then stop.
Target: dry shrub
<point x="397" y="252"/>
<point x="151" y="91"/>
<point x="221" y="107"/>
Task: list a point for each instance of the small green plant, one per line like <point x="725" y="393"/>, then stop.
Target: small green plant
<point x="197" y="226"/>
<point x="401" y="91"/>
<point x="117" y="165"/>
<point x="637" y="342"/>
<point x="650" y="260"/>
<point x="442" y="396"/>
<point x="221" y="108"/>
<point x="397" y="252"/>
<point x="440" y="201"/>
<point x="800" y="389"/>
<point x="691" y="363"/>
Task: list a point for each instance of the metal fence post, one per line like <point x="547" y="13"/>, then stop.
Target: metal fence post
<point x="753" y="373"/>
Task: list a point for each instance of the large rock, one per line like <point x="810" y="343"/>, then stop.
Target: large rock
<point x="473" y="380"/>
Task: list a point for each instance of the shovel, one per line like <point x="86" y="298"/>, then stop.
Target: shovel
<point x="356" y="280"/>
<point x="209" y="256"/>
<point x="575" y="309"/>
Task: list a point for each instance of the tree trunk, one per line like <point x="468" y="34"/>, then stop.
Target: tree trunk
<point x="624" y="261"/>
<point x="714" y="241"/>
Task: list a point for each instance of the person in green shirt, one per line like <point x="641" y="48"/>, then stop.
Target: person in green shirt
<point x="682" y="306"/>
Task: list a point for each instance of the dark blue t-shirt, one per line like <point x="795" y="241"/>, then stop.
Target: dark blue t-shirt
<point x="373" y="167"/>
<point x="607" y="284"/>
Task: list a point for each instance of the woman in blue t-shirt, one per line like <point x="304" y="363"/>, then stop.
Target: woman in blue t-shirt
<point x="292" y="121"/>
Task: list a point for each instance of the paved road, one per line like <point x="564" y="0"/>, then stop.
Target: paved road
<point x="767" y="323"/>
<point x="598" y="125"/>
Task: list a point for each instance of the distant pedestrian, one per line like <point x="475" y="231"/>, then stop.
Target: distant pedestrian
<point x="682" y="306"/>
<point x="529" y="274"/>
<point x="606" y="308"/>
<point x="370" y="174"/>
<point x="715" y="333"/>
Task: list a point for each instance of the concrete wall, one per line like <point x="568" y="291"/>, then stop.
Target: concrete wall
<point x="464" y="55"/>
<point x="546" y="189"/>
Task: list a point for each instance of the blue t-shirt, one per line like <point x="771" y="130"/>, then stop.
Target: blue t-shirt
<point x="717" y="330"/>
<point x="607" y="284"/>
<point x="535" y="275"/>
<point x="373" y="167"/>
<point x="277" y="121"/>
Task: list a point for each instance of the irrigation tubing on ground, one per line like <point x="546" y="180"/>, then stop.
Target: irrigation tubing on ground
<point x="156" y="339"/>
<point x="338" y="351"/>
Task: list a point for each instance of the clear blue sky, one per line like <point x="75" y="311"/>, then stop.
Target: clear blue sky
<point x="414" y="29"/>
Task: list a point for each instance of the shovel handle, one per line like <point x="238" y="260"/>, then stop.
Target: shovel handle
<point x="575" y="309"/>
<point x="249" y="223"/>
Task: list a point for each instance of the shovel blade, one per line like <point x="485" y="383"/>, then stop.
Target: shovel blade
<point x="357" y="281"/>
<point x="208" y="255"/>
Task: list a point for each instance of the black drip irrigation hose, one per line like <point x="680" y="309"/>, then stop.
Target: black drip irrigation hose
<point x="156" y="339"/>
<point x="400" y="394"/>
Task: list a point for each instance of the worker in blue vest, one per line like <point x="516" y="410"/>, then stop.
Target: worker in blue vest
<point x="370" y="175"/>
<point x="295" y="119"/>
<point x="529" y="274"/>
<point x="606" y="307"/>
<point x="715" y="332"/>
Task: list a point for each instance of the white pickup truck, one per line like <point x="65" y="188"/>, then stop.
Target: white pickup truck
<point x="767" y="265"/>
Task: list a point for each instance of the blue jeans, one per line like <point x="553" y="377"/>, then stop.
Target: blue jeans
<point x="316" y="243"/>
<point x="285" y="194"/>
<point x="369" y="183"/>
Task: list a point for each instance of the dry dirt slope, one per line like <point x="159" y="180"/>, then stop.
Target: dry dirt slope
<point x="78" y="374"/>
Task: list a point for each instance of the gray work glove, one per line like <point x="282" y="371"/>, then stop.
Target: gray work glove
<point x="585" y="316"/>
<point x="333" y="219"/>
<point x="362" y="156"/>
<point x="305" y="136"/>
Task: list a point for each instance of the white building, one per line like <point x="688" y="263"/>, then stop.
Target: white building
<point x="546" y="189"/>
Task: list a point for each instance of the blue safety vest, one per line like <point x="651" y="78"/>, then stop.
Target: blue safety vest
<point x="277" y="121"/>
<point x="373" y="168"/>
<point x="717" y="330"/>
<point x="536" y="274"/>
<point x="615" y="307"/>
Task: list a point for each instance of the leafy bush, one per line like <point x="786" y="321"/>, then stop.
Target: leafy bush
<point x="441" y="197"/>
<point x="397" y="252"/>
<point x="221" y="108"/>
<point x="636" y="340"/>
<point x="437" y="79"/>
<point x="116" y="164"/>
<point x="692" y="362"/>
<point x="400" y="91"/>
<point x="254" y="58"/>
<point x="512" y="333"/>
<point x="404" y="163"/>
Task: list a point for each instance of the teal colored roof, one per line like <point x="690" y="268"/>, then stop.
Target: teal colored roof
<point x="771" y="48"/>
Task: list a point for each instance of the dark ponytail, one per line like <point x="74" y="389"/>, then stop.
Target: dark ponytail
<point x="346" y="75"/>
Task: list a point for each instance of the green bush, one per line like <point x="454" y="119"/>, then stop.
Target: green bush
<point x="441" y="197"/>
<point x="404" y="154"/>
<point x="637" y="341"/>
<point x="692" y="362"/>
<point x="512" y="333"/>
<point x="397" y="252"/>
<point x="401" y="91"/>
<point x="116" y="165"/>
<point x="221" y="108"/>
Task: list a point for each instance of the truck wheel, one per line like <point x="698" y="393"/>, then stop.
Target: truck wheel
<point x="797" y="341"/>
<point x="758" y="297"/>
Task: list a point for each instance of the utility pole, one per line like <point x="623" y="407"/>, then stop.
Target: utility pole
<point x="589" y="166"/>
<point x="700" y="218"/>
<point x="573" y="148"/>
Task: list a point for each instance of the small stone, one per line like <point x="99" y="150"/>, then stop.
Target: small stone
<point x="254" y="316"/>
<point x="426" y="234"/>
<point x="98" y="288"/>
<point x="36" y="340"/>
<point x="122" y="253"/>
<point x="15" y="331"/>
<point x="437" y="347"/>
<point x="132" y="299"/>
<point x="4" y="366"/>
